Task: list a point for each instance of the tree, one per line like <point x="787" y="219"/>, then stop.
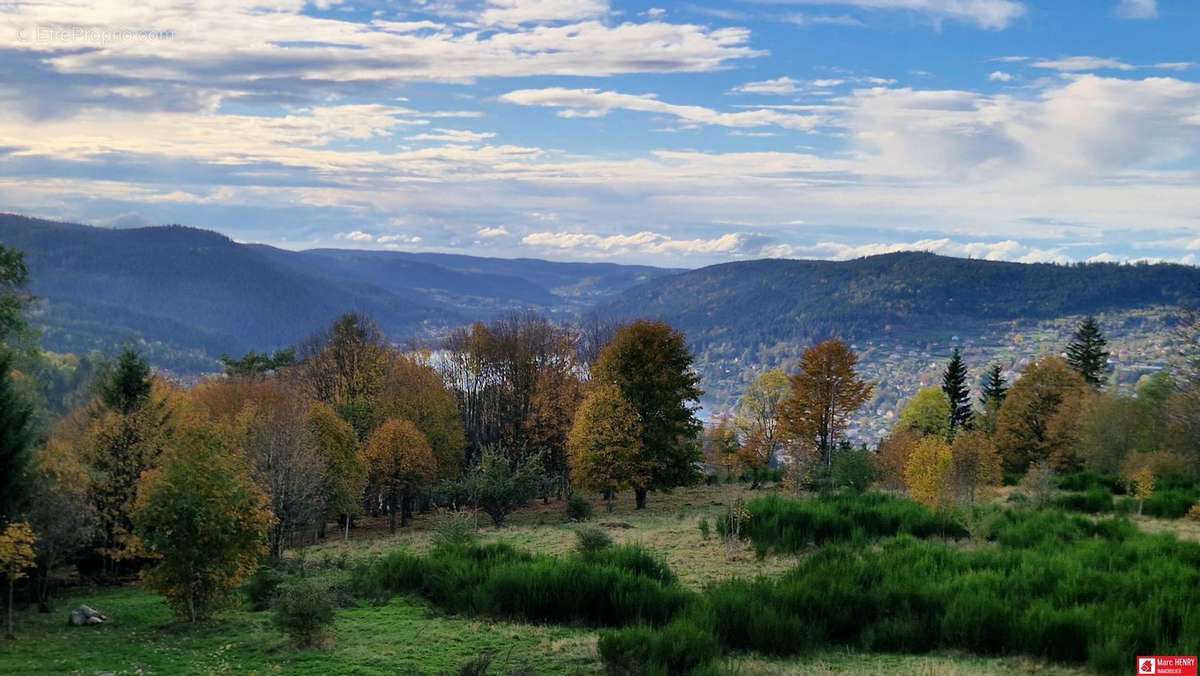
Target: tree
<point x="954" y="384"/>
<point x="992" y="393"/>
<point x="975" y="464"/>
<point x="928" y="473"/>
<point x="498" y="484"/>
<point x="757" y="418"/>
<point x="413" y="390"/>
<point x="203" y="516"/>
<point x="1087" y="352"/>
<point x="60" y="512"/>
<point x="126" y="387"/>
<point x="1023" y="423"/>
<point x="825" y="392"/>
<point x="928" y="413"/>
<point x="893" y="454"/>
<point x="14" y="298"/>
<point x="344" y="366"/>
<point x="650" y="364"/>
<point x="285" y="460"/>
<point x="401" y="463"/>
<point x="255" y="364"/>
<point x="16" y="438"/>
<point x="720" y="448"/>
<point x="548" y="428"/>
<point x="16" y="556"/>
<point x="345" y="469"/>
<point x="1142" y="481"/>
<point x="606" y="444"/>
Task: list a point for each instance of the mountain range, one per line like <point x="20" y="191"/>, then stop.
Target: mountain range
<point x="187" y="295"/>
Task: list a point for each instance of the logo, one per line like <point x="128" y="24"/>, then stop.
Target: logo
<point x="1167" y="666"/>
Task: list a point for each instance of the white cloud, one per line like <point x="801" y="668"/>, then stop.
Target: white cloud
<point x="1007" y="250"/>
<point x="990" y="14"/>
<point x="399" y="239"/>
<point x="596" y="103"/>
<point x="656" y="13"/>
<point x="644" y="242"/>
<point x="516" y="12"/>
<point x="780" y="85"/>
<point x="1000" y="76"/>
<point x="452" y="136"/>
<point x="1137" y="9"/>
<point x="493" y="233"/>
<point x="355" y="236"/>
<point x="822" y="20"/>
<point x="1076" y="64"/>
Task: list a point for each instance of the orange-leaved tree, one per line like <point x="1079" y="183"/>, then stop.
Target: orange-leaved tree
<point x="401" y="464"/>
<point x="825" y="392"/>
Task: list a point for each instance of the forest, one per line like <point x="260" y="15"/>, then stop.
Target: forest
<point x="553" y="480"/>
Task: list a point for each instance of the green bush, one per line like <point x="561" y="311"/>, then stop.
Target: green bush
<point x="705" y="529"/>
<point x="789" y="525"/>
<point x="1095" y="500"/>
<point x="634" y="559"/>
<point x="579" y="508"/>
<point x="591" y="540"/>
<point x="304" y="610"/>
<point x="1170" y="503"/>
<point x="853" y="469"/>
<point x="454" y="529"/>
<point x="262" y="587"/>
<point x="679" y="648"/>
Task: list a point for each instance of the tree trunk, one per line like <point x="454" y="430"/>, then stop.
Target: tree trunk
<point x="346" y="536"/>
<point x="608" y="501"/>
<point x="321" y="529"/>
<point x="639" y="496"/>
<point x="405" y="510"/>
<point x="10" y="634"/>
<point x="392" y="514"/>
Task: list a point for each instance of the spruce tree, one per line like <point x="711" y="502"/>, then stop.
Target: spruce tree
<point x="954" y="384"/>
<point x="994" y="389"/>
<point x="1087" y="353"/>
<point x="127" y="387"/>
<point x="16" y="438"/>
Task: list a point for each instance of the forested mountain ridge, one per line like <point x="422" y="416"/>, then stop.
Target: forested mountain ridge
<point x="188" y="295"/>
<point x="767" y="301"/>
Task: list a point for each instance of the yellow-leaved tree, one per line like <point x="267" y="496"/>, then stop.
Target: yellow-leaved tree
<point x="606" y="444"/>
<point x="927" y="473"/>
<point x="205" y="519"/>
<point x="16" y="557"/>
<point x="401" y="463"/>
<point x="977" y="467"/>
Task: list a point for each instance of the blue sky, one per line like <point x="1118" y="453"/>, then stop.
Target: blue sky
<point x="652" y="132"/>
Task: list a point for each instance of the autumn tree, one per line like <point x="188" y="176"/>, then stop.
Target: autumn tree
<point x="892" y="455"/>
<point x="975" y="465"/>
<point x="992" y="392"/>
<point x="401" y="463"/>
<point x="928" y="413"/>
<point x="59" y="510"/>
<point x="1023" y="423"/>
<point x="954" y="385"/>
<point x="205" y="519"/>
<point x="928" y="473"/>
<point x="16" y="438"/>
<point x="345" y="469"/>
<point x="257" y="365"/>
<point x="757" y="419"/>
<point x="344" y="367"/>
<point x="1088" y="353"/>
<point x="720" y="448"/>
<point x="498" y="484"/>
<point x="650" y="364"/>
<point x="548" y="428"/>
<point x="284" y="459"/>
<point x="606" y="444"/>
<point x="16" y="557"/>
<point x="413" y="390"/>
<point x="825" y="392"/>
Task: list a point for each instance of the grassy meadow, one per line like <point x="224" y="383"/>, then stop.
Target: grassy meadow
<point x="408" y="634"/>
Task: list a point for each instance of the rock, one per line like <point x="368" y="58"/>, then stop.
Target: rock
<point x="86" y="615"/>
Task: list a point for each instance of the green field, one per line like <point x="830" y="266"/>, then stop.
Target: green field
<point x="405" y="635"/>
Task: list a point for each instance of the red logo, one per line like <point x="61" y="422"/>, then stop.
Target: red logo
<point x="1167" y="666"/>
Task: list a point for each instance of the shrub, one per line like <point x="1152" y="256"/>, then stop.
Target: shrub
<point x="1170" y="503"/>
<point x="498" y="485"/>
<point x="591" y="540"/>
<point x="304" y="610"/>
<point x="788" y="525"/>
<point x="1095" y="500"/>
<point x="634" y="559"/>
<point x="1194" y="512"/>
<point x="681" y="648"/>
<point x="853" y="470"/>
<point x="705" y="530"/>
<point x="263" y="586"/>
<point x="579" y="508"/>
<point x="454" y="529"/>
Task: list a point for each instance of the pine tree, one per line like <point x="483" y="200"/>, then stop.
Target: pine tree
<point x="16" y="438"/>
<point x="1087" y="353"/>
<point x="954" y="384"/>
<point x="127" y="387"/>
<point x="994" y="389"/>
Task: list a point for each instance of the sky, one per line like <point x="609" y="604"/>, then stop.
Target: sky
<point x="666" y="133"/>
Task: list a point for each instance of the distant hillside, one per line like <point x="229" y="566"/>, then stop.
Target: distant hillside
<point x="768" y="301"/>
<point x="189" y="295"/>
<point x="905" y="312"/>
